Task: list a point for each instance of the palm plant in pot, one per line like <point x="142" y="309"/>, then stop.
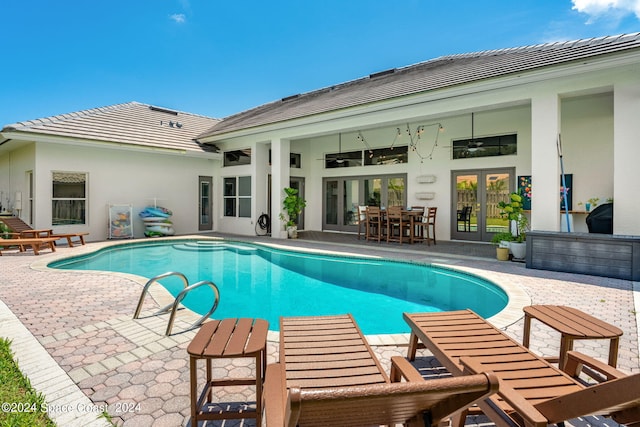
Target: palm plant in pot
<point x="293" y="205"/>
<point x="514" y="212"/>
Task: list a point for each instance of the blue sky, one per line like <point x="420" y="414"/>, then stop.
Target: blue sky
<point x="217" y="58"/>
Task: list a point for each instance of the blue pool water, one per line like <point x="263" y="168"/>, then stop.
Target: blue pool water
<point x="258" y="281"/>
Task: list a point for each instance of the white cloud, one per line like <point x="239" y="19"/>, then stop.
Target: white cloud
<point x="607" y="8"/>
<point x="180" y="18"/>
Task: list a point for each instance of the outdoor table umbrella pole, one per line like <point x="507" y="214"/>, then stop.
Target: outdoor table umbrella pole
<point x="564" y="185"/>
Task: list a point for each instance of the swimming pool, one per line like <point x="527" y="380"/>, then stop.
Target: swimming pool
<point x="261" y="281"/>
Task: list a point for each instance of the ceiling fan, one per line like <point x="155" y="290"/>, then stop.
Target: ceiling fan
<point x="336" y="158"/>
<point x="474" y="145"/>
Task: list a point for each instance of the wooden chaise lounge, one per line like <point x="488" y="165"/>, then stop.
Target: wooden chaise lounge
<point x="329" y="376"/>
<point x="34" y="243"/>
<point x="23" y="229"/>
<point x="532" y="391"/>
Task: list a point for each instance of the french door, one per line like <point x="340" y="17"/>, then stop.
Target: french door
<point x="343" y="195"/>
<point x="481" y="190"/>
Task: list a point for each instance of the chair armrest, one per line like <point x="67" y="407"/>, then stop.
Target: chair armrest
<point x="401" y="368"/>
<point x="576" y="362"/>
<point x="275" y="393"/>
<point x="531" y="416"/>
<point x="526" y="410"/>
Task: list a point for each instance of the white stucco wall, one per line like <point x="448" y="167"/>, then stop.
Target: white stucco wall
<point x="122" y="177"/>
<point x="14" y="166"/>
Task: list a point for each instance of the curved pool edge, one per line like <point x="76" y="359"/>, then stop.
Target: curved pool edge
<point x="512" y="313"/>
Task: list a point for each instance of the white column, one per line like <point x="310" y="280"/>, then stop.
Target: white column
<point x="260" y="163"/>
<point x="626" y="152"/>
<point x="280" y="154"/>
<point x="545" y="168"/>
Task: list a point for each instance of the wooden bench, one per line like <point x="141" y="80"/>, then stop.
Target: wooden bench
<point x="34" y="243"/>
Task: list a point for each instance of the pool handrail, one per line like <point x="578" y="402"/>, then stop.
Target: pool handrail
<point x="184" y="293"/>
<point x="154" y="280"/>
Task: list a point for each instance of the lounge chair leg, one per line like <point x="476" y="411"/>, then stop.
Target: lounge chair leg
<point x="413" y="346"/>
<point x="459" y="418"/>
<point x="428" y="421"/>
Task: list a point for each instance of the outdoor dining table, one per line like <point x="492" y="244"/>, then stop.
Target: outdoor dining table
<point x="412" y="215"/>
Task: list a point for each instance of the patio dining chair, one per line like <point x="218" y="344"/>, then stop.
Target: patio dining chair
<point x="426" y="227"/>
<point x="398" y="226"/>
<point x="375" y="223"/>
<point x="464" y="217"/>
<point x="430" y="224"/>
<point x="362" y="221"/>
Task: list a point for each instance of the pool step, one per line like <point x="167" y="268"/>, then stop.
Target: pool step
<point x="206" y="246"/>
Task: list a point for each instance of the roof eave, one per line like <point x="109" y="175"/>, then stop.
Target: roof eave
<point x="84" y="142"/>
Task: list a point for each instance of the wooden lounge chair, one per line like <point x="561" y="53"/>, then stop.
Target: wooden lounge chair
<point x="26" y="231"/>
<point x="36" y="244"/>
<point x="328" y="376"/>
<point x="532" y="391"/>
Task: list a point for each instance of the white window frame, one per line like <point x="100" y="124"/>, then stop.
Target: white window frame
<point x="236" y="198"/>
<point x="82" y="198"/>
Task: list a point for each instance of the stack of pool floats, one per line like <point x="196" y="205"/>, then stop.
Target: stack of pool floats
<point x="157" y="222"/>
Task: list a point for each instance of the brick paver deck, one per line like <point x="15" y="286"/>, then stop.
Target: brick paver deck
<point x="74" y="336"/>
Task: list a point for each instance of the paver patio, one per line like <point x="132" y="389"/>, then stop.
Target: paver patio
<point x="74" y="336"/>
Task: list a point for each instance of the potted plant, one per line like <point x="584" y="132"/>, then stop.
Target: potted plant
<point x="293" y="205"/>
<point x="503" y="242"/>
<point x="591" y="203"/>
<point x="5" y="231"/>
<point x="513" y="211"/>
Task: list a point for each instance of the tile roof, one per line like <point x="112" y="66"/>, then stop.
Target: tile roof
<point x="130" y="123"/>
<point x="439" y="73"/>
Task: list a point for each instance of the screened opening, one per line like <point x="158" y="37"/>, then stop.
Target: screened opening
<point x="237" y="157"/>
<point x="502" y="145"/>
